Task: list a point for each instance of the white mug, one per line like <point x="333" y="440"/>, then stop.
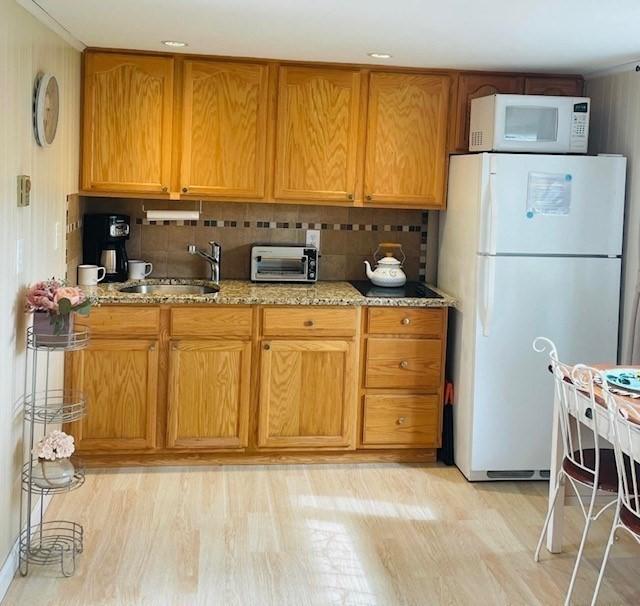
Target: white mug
<point x="139" y="270"/>
<point x="89" y="275"/>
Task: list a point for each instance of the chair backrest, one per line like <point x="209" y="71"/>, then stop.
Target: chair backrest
<point x="625" y="436"/>
<point x="578" y="408"/>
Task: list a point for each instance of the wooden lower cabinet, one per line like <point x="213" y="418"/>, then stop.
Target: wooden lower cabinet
<point x="208" y="401"/>
<point x="119" y="380"/>
<point x="175" y="384"/>
<point x="307" y="394"/>
<point x="403" y="378"/>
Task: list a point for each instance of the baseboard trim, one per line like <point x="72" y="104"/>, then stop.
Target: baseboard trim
<point x="10" y="566"/>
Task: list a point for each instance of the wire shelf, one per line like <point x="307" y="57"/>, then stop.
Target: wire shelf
<point x="55" y="542"/>
<point x="78" y="339"/>
<point x="76" y="481"/>
<point x="54" y="406"/>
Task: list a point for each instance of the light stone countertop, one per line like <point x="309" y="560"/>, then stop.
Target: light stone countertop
<point x="244" y="292"/>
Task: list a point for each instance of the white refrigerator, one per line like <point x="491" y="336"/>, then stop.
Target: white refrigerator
<point x="529" y="245"/>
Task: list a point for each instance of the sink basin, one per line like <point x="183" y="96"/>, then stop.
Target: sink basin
<point x="171" y="289"/>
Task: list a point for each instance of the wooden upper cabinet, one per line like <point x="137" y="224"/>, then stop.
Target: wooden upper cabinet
<point x="209" y="394"/>
<point x="406" y="138"/>
<point x="317" y="133"/>
<point x="307" y="394"/>
<point x="563" y="87"/>
<point x="472" y="86"/>
<point x="224" y="128"/>
<point x="119" y="380"/>
<point x="128" y="104"/>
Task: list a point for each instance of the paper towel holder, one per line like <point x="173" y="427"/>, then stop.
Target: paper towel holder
<point x="174" y="215"/>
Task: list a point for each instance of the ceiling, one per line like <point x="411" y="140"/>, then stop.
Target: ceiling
<point x="579" y="36"/>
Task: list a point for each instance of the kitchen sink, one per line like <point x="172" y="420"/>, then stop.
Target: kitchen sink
<point x="171" y="289"/>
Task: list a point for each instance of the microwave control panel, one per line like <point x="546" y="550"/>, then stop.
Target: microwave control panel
<point x="580" y="127"/>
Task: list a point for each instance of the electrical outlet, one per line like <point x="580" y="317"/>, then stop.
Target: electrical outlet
<point x="313" y="238"/>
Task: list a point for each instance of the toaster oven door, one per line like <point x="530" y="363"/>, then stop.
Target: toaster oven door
<point x="281" y="268"/>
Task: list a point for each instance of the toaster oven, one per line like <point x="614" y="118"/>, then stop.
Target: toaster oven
<point x="284" y="263"/>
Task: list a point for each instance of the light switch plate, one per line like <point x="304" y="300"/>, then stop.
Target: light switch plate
<point x="24" y="190"/>
<point x="313" y="238"/>
<point x="19" y="256"/>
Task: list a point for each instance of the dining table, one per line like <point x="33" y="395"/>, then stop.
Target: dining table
<point x="555" y="528"/>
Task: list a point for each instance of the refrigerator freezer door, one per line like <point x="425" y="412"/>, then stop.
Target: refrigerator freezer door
<point x="552" y="205"/>
<point x="574" y="302"/>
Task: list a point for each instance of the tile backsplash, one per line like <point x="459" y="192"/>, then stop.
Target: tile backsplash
<point x="348" y="236"/>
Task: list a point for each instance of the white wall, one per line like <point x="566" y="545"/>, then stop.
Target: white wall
<point x="615" y="129"/>
<point x="27" y="47"/>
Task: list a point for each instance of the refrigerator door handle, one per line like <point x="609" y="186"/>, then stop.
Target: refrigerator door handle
<point x="487" y="287"/>
<point x="489" y="218"/>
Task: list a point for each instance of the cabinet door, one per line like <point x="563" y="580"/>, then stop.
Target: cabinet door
<point x="119" y="380"/>
<point x="406" y="139"/>
<point x="472" y="86"/>
<point x="209" y="394"/>
<point x="307" y="394"/>
<point x="317" y="140"/>
<point x="562" y="87"/>
<point x="224" y="128"/>
<point x="128" y="101"/>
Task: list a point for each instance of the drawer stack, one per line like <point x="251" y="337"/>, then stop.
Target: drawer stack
<point x="403" y="377"/>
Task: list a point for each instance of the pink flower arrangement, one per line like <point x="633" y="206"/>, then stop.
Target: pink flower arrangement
<point x="55" y="297"/>
<point x="55" y="445"/>
<point x="58" y="300"/>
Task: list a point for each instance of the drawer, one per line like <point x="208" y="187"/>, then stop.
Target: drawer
<point x="212" y="321"/>
<point x="401" y="420"/>
<point x="407" y="321"/>
<point x="309" y="321"/>
<point x="122" y="320"/>
<point x="404" y="363"/>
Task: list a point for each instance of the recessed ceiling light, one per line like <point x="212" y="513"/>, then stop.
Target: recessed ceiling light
<point x="174" y="43"/>
<point x="379" y="55"/>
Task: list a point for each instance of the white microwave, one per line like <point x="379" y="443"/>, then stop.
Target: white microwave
<point x="529" y="123"/>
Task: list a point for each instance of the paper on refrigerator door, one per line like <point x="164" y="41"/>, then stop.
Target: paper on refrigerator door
<point x="548" y="194"/>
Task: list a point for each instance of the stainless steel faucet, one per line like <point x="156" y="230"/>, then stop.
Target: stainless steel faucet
<point x="213" y="258"/>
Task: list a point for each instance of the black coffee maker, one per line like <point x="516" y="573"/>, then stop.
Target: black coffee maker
<point x="103" y="243"/>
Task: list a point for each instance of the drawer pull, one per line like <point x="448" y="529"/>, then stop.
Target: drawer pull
<point x="401" y="420"/>
<point x="267" y="346"/>
<point x="309" y="323"/>
<point x="404" y="364"/>
<point x="406" y="321"/>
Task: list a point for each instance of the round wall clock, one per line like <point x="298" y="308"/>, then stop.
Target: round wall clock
<point x="46" y="105"/>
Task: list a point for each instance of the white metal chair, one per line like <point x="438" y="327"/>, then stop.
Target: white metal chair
<point x="625" y="435"/>
<point x="584" y="462"/>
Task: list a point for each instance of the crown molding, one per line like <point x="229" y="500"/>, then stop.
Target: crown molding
<point x="45" y="18"/>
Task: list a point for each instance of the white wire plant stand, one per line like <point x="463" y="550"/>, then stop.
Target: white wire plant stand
<point x="57" y="541"/>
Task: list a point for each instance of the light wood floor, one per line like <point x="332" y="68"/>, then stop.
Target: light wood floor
<point x="363" y="535"/>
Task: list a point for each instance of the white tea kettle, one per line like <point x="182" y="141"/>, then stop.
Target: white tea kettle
<point x="388" y="271"/>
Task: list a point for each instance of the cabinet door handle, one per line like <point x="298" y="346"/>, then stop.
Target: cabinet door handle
<point x="369" y="197"/>
<point x="152" y="347"/>
<point x="174" y="346"/>
<point x="350" y="196"/>
<point x="401" y="420"/>
<point x="406" y="321"/>
<point x="165" y="189"/>
<point x="267" y="346"/>
<point x="185" y="190"/>
<point x="309" y="323"/>
<point x="404" y="364"/>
